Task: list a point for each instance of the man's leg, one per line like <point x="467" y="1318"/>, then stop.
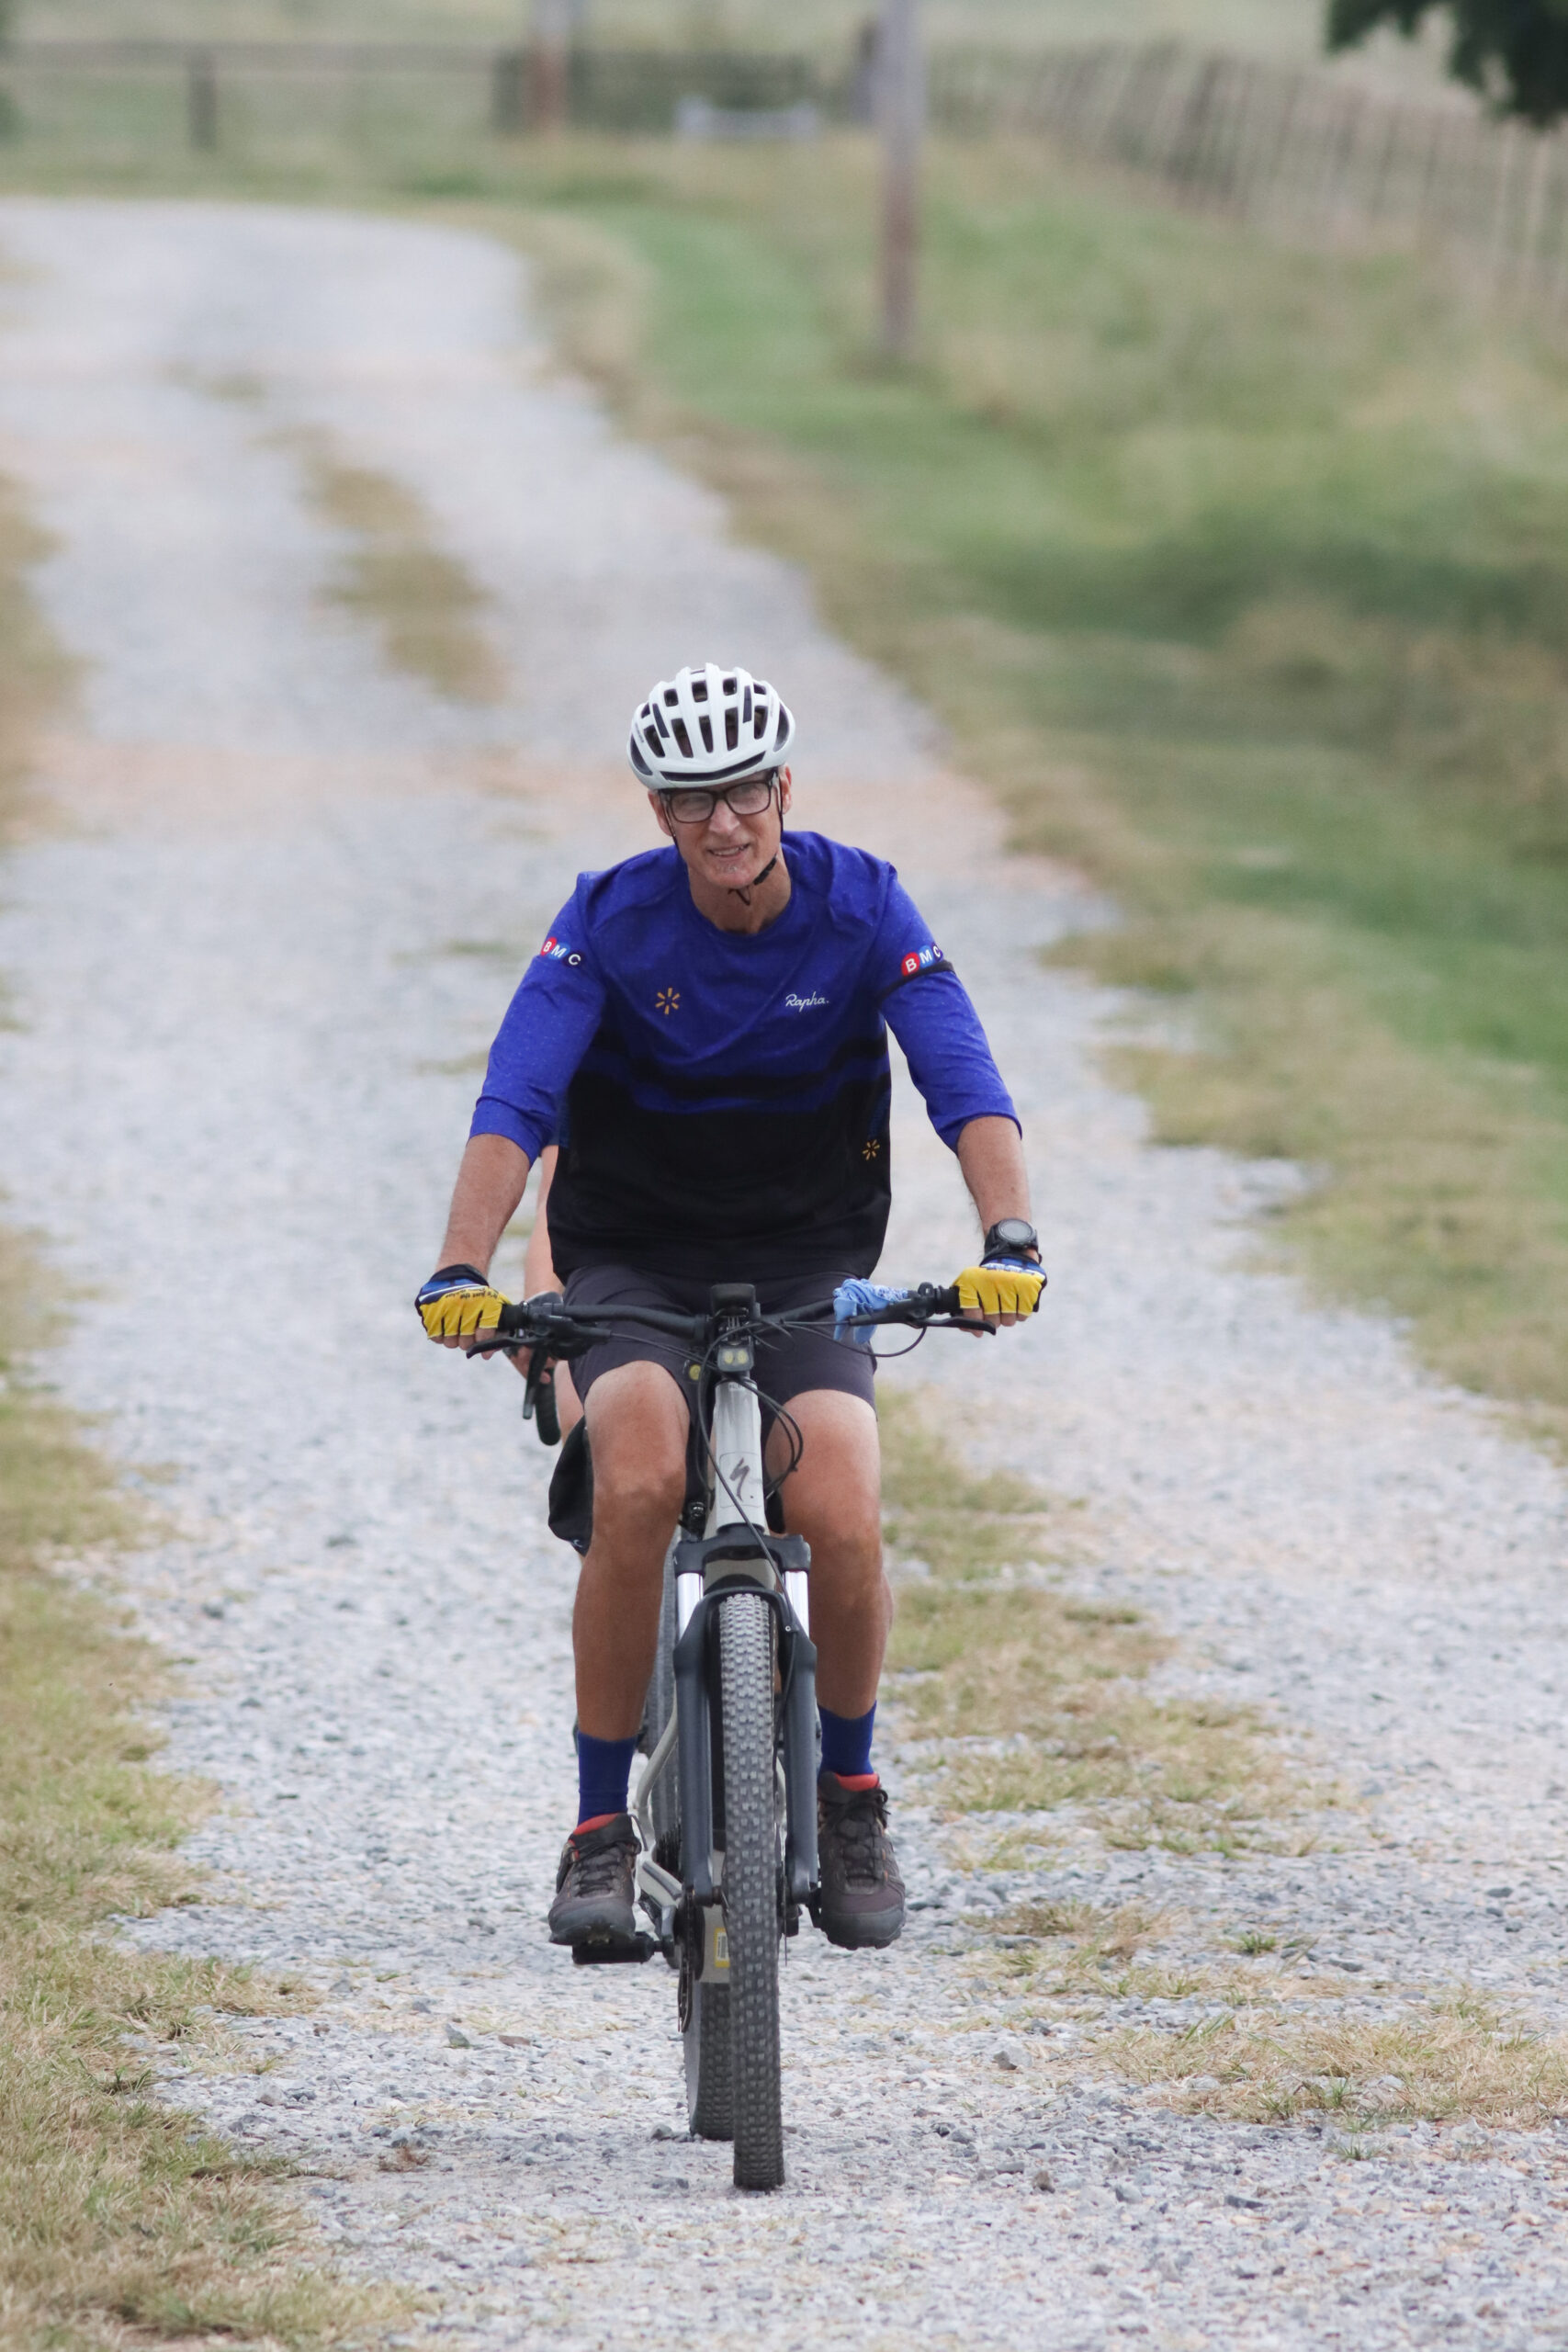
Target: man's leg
<point x="834" y="1499"/>
<point x="638" y="1425"/>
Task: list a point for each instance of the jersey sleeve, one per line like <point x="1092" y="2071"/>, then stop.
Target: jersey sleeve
<point x="927" y="1009"/>
<point x="548" y="1027"/>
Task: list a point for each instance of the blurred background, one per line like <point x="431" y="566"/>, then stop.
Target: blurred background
<point x="1213" y="491"/>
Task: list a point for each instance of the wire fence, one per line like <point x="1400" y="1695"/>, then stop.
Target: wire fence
<point x="216" y="92"/>
<point x="1298" y="150"/>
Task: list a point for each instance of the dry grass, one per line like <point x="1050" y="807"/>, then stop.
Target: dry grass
<point x="36" y="670"/>
<point x="1036" y="1697"/>
<point x="428" y="608"/>
<point x="119" y="2221"/>
<point x="1063" y="1948"/>
<point x="1439" y="2062"/>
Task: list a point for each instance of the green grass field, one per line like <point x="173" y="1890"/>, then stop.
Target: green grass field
<point x="1289" y="27"/>
<point x="1237" y="570"/>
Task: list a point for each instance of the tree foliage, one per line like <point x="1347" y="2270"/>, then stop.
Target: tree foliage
<point x="1514" y="50"/>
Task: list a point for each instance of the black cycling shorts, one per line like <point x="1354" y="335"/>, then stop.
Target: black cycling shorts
<point x="789" y="1365"/>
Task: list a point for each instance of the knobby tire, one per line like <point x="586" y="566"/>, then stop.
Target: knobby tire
<point x="751" y="1886"/>
<point x="704" y="2008"/>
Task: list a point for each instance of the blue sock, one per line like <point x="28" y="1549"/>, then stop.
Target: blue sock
<point x="846" y="1743"/>
<point x="603" y="1773"/>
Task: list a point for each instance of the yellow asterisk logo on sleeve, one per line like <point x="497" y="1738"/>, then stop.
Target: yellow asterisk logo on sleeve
<point x="871" y="1148"/>
<point x="667" y="1001"/>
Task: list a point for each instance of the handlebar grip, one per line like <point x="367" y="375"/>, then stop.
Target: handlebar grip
<point x="516" y="1318"/>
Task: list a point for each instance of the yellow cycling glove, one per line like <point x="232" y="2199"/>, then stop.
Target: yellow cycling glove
<point x="457" y="1304"/>
<point x="1002" y="1286"/>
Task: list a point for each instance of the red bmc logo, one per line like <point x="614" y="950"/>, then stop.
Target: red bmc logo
<point x="921" y="959"/>
<point x="559" y="952"/>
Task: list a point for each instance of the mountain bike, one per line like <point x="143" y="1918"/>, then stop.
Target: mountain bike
<point x="727" y="1803"/>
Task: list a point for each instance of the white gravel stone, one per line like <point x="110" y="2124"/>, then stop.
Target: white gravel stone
<point x="282" y="903"/>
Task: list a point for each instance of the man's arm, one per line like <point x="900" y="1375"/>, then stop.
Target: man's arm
<point x="484" y="1200"/>
<point x="454" y="1307"/>
<point x="990" y="1153"/>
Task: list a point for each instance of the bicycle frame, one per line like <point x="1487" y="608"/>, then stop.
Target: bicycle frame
<point x="737" y="1551"/>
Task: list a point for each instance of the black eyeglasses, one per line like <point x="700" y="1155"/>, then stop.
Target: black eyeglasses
<point x="694" y="805"/>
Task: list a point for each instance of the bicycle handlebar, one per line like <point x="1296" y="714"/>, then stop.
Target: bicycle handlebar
<point x="547" y="1322"/>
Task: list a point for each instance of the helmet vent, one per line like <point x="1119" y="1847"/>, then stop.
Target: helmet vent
<point x="708" y="725"/>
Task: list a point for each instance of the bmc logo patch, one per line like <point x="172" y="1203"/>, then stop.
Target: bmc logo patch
<point x="919" y="959"/>
<point x="559" y="952"/>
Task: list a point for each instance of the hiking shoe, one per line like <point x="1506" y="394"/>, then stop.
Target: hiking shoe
<point x="862" y="1900"/>
<point x="595" y="1890"/>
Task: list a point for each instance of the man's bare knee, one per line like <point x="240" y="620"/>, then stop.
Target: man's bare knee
<point x="638" y="1426"/>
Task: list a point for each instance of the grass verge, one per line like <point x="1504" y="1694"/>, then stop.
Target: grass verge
<point x="1445" y="2061"/>
<point x="36" y="668"/>
<point x="120" y="2220"/>
<point x="1245" y="2042"/>
<point x="1036" y="1699"/>
<point x="425" y="605"/>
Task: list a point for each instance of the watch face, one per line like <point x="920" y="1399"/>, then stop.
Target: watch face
<point x="1014" y="1233"/>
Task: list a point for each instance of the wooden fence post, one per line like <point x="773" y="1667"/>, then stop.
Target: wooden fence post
<point x="552" y="29"/>
<point x="902" y="107"/>
<point x="201" y="100"/>
<point x="508" y="76"/>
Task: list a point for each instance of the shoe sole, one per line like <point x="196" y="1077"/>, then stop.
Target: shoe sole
<point x="872" y="1934"/>
<point x="620" y="1931"/>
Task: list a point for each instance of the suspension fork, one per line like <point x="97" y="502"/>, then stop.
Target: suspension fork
<point x="738" y="1551"/>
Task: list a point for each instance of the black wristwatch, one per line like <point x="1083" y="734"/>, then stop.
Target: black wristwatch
<point x="1011" y="1236"/>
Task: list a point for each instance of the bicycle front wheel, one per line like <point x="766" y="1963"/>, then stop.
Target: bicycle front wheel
<point x="746" y="1641"/>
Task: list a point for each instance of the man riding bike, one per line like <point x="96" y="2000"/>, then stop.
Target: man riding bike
<point x="704" y="1030"/>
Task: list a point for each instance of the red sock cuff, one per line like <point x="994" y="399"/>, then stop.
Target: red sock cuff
<point x="596" y="1821"/>
<point x="857" y="1779"/>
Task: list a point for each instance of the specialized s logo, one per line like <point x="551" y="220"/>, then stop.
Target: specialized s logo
<point x="559" y="952"/>
<point x="921" y="959"/>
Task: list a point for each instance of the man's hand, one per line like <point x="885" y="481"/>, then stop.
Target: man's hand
<point x="1001" y="1288"/>
<point x="456" y="1304"/>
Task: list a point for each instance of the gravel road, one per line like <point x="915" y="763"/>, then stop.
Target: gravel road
<point x="274" y="915"/>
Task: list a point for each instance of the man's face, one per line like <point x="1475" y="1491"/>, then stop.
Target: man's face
<point x="726" y="851"/>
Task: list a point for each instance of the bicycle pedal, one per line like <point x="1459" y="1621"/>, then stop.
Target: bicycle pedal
<point x="642" y="1947"/>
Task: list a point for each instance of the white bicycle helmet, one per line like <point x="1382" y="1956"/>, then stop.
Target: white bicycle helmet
<point x="708" y="726"/>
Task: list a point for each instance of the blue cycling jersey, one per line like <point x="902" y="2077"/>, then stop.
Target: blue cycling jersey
<point x="721" y="1098"/>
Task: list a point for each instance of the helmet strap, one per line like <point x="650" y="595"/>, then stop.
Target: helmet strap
<point x="744" y="892"/>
